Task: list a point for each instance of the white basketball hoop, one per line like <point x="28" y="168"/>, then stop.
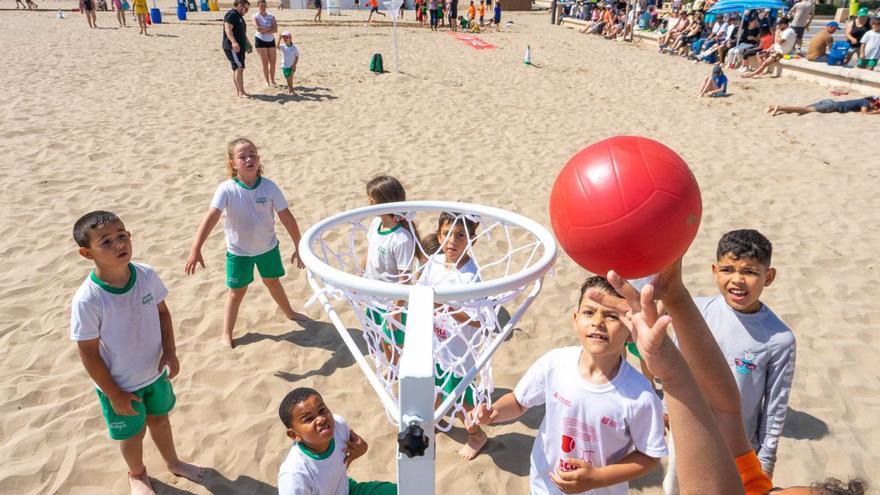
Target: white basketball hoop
<point x="512" y="254"/>
<point x="393" y="8"/>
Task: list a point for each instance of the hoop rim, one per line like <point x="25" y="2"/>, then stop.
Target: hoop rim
<point x="338" y="278"/>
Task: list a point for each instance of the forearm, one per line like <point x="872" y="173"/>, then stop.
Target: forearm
<point x="634" y="465"/>
<point x="698" y="437"/>
<point x="290" y="225"/>
<point x="507" y="408"/>
<point x="227" y="28"/>
<point x="98" y="371"/>
<point x="166" y="325"/>
<point x="205" y="229"/>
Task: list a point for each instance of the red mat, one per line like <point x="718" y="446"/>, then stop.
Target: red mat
<point x="472" y="41"/>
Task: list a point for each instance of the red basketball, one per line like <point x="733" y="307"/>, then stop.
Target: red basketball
<point x="627" y="203"/>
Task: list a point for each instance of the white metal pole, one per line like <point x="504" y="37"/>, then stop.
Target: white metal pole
<point x="396" y="57"/>
<point x="415" y="475"/>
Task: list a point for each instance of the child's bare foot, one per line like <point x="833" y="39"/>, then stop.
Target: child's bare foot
<point x="226" y="340"/>
<point x="774" y="111"/>
<point x="188" y="471"/>
<point x="140" y="484"/>
<point x="475" y="443"/>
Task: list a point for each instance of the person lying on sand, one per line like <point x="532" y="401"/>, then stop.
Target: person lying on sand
<point x="866" y="106"/>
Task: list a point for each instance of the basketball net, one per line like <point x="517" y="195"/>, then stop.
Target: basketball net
<point x="467" y="331"/>
<point x="393" y="8"/>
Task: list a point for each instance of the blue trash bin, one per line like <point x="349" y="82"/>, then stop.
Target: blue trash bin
<point x="204" y="6"/>
<point x="838" y="52"/>
<point x="155" y="16"/>
<point x="181" y="10"/>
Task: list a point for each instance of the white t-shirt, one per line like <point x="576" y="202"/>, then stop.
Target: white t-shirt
<point x="126" y="320"/>
<point x="871" y="42"/>
<point x="250" y="215"/>
<point x="789" y="37"/>
<point x="265" y="21"/>
<point x="389" y="252"/>
<point x="289" y="54"/>
<point x="305" y="473"/>
<point x="451" y="337"/>
<point x="597" y="423"/>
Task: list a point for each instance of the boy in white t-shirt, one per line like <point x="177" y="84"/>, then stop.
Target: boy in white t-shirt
<point x="324" y="447"/>
<point x="123" y="330"/>
<point x="603" y="424"/>
<point x="456" y="327"/>
<point x="289" y="59"/>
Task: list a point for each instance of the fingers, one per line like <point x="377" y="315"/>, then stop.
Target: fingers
<point x="626" y="290"/>
<point x="649" y="307"/>
<point x="618" y="304"/>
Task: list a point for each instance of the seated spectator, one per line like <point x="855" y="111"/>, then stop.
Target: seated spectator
<point x="675" y="27"/>
<point x="722" y="44"/>
<point x="683" y="42"/>
<point x="785" y="40"/>
<point x="820" y="45"/>
<point x="752" y="56"/>
<point x="749" y="38"/>
<point x="866" y="106"/>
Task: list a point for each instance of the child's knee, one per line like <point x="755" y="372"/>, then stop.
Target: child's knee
<point x="272" y="282"/>
<point x="237" y="294"/>
<point x="156" y="421"/>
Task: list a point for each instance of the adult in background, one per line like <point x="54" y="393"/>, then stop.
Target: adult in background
<point x="784" y="45"/>
<point x="264" y="41"/>
<point x="819" y="46"/>
<point x="855" y="29"/>
<point x="87" y="7"/>
<point x="235" y="42"/>
<point x="452" y="9"/>
<point x="801" y="15"/>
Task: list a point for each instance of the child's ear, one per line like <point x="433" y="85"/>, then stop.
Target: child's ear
<point x="291" y="434"/>
<point x="770" y="277"/>
<point x="84" y="252"/>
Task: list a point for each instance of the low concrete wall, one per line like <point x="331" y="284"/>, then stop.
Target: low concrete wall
<point x="862" y="81"/>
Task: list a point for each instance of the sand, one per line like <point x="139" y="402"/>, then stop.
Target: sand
<point x="112" y="120"/>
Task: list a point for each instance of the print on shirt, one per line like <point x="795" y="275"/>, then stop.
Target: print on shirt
<point x="262" y="201"/>
<point x="578" y="441"/>
<point x="746" y="364"/>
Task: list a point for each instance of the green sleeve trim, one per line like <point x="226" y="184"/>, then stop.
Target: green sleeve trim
<point x="116" y="290"/>
<point x="389" y="231"/>
<point x="242" y="184"/>
<point x="318" y="457"/>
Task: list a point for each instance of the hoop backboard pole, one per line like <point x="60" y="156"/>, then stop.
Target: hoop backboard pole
<point x="394" y="9"/>
<point x="341" y="329"/>
<point x="415" y="473"/>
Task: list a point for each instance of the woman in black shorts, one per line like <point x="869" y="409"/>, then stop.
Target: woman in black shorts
<point x="318" y="13"/>
<point x="88" y="8"/>
<point x="264" y="41"/>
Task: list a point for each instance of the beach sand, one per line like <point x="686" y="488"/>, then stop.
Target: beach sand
<point x="108" y="119"/>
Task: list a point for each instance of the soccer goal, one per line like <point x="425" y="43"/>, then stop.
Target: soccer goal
<point x="429" y="340"/>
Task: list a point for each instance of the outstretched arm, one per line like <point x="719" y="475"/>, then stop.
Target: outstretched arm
<point x="507" y="408"/>
<point x="205" y="228"/>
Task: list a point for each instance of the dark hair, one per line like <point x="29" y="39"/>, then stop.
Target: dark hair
<point x="236" y="3"/>
<point x="745" y="243"/>
<point x="451" y="218"/>
<point x="387" y="189"/>
<point x="429" y="245"/>
<point x="598" y="283"/>
<point x="833" y="486"/>
<point x="290" y="400"/>
<point x="92" y="220"/>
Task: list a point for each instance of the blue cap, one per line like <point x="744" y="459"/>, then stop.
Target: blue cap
<point x="833" y="24"/>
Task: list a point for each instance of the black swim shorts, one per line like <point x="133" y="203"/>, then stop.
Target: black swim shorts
<point x="236" y="60"/>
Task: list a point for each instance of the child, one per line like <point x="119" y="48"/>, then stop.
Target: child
<point x="250" y="202"/>
<point x="472" y="12"/>
<point x="714" y="85"/>
<point x="497" y="18"/>
<point x="139" y="7"/>
<point x="123" y="330"/>
<point x="120" y="13"/>
<point x="869" y="52"/>
<point x="289" y="59"/>
<point x="452" y="331"/>
<point x="323" y="448"/>
<point x="391" y="248"/>
<point x="602" y="417"/>
<point x="759" y="347"/>
<point x="374" y="9"/>
<point x="482" y="12"/>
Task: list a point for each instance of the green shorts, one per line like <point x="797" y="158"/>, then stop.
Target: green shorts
<point x="867" y="63"/>
<point x="371" y="488"/>
<point x="158" y="400"/>
<point x="631" y="347"/>
<point x="287" y="71"/>
<point x="397" y="336"/>
<point x="452" y="380"/>
<point x="240" y="269"/>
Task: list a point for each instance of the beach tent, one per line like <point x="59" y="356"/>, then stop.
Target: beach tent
<point x="740" y="6"/>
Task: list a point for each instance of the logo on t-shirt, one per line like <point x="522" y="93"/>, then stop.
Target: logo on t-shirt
<point x="746" y="364"/>
<point x="609" y="422"/>
<point x="262" y="201"/>
<point x="562" y="399"/>
<point x="577" y="438"/>
<point x="147" y="299"/>
<point x="382" y="250"/>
